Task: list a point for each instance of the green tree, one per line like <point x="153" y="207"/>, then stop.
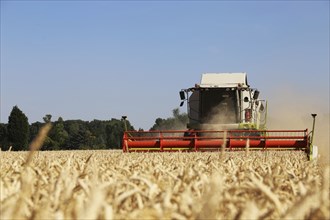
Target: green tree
<point x="79" y="134"/>
<point x="34" y="129"/>
<point x="49" y="143"/>
<point x="98" y="136"/>
<point x="3" y="137"/>
<point x="47" y="118"/>
<point x="177" y="122"/>
<point x="75" y="137"/>
<point x="18" y="129"/>
<point x="59" y="135"/>
<point x="114" y="132"/>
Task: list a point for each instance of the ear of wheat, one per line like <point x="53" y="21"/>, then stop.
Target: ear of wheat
<point x="115" y="185"/>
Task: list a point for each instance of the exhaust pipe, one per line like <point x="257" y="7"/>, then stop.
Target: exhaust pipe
<point x="313" y="150"/>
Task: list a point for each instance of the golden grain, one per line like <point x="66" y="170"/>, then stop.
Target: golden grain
<point x="116" y="185"/>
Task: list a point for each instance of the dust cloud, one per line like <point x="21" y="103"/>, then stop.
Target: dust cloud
<point x="289" y="109"/>
<point x="220" y="115"/>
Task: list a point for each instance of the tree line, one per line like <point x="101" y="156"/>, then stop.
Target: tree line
<point x="75" y="134"/>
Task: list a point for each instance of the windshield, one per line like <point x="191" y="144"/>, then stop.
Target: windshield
<point x="219" y="106"/>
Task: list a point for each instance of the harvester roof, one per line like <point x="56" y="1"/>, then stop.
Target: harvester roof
<point x="223" y="80"/>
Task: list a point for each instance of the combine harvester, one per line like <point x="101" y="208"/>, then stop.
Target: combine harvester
<point x="224" y="114"/>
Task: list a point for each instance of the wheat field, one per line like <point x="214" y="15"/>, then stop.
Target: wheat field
<point x="116" y="185"/>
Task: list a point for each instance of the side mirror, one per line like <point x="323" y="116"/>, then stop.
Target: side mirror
<point x="262" y="107"/>
<point x="181" y="104"/>
<point x="256" y="94"/>
<point x="182" y="95"/>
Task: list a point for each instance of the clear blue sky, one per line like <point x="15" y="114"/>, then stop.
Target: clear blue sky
<point x="101" y="60"/>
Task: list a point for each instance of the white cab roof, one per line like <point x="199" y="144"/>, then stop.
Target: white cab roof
<point x="223" y="80"/>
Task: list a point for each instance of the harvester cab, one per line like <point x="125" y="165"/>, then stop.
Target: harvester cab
<point x="224" y="114"/>
<point x="224" y="102"/>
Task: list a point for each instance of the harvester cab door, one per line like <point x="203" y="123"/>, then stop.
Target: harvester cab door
<point x="194" y="108"/>
<point x="246" y="107"/>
